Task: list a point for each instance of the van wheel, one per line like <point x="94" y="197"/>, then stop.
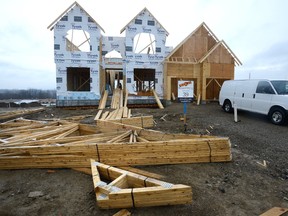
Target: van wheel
<point x="227" y="107"/>
<point x="277" y="116"/>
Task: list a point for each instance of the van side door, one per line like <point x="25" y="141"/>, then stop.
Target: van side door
<point x="245" y="95"/>
<point x="262" y="98"/>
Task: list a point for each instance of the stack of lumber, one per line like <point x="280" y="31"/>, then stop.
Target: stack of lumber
<point x="18" y="113"/>
<point x="118" y="100"/>
<point x="61" y="144"/>
<point x="119" y="113"/>
<point x="127" y="189"/>
<point x="120" y="116"/>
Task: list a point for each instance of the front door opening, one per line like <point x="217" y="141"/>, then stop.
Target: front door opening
<point x="78" y="79"/>
<point x="114" y="80"/>
<point x="144" y="81"/>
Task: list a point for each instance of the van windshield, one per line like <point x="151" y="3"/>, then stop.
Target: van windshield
<point x="281" y="86"/>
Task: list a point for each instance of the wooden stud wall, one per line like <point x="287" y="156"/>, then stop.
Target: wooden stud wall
<point x="184" y="64"/>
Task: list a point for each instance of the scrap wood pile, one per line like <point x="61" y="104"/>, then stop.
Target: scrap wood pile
<point x="63" y="144"/>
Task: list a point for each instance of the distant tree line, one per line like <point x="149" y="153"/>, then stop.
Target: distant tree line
<point x="26" y="94"/>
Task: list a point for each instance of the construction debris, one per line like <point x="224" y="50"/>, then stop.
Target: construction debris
<point x="127" y="189"/>
<point x="18" y="113"/>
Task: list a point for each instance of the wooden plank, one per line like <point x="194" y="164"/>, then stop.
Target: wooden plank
<point x="198" y="99"/>
<point x="95" y="174"/>
<point x="120" y="199"/>
<point x="51" y="161"/>
<point x="158" y="196"/>
<point x="275" y="211"/>
<point x="126" y="98"/>
<point x="121" y="136"/>
<point x="119" y="113"/>
<point x="157" y="100"/>
<point x="120" y="182"/>
<point x="173" y="96"/>
<point x="20" y="113"/>
<point x="98" y="115"/>
<point x="121" y="98"/>
<point x="142" y="121"/>
<point x="142" y="172"/>
<point x="103" y="100"/>
<point x="125" y="112"/>
<point x="122" y="212"/>
<point x="104" y="116"/>
<point x="67" y="133"/>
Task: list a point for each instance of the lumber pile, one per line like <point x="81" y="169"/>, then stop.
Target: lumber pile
<point x="95" y="149"/>
<point x="18" y="113"/>
<point x="124" y="189"/>
<point x="61" y="144"/>
<point x="119" y="113"/>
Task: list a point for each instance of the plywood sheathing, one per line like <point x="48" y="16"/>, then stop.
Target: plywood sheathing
<point x="127" y="189"/>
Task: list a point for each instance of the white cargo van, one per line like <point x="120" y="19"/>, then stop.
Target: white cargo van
<point x="269" y="97"/>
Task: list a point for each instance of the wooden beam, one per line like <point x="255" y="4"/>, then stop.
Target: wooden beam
<point x="122" y="212"/>
<point x="98" y="115"/>
<point x="157" y="100"/>
<point x="275" y="211"/>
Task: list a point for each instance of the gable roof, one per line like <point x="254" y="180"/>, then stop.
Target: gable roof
<point x="142" y="11"/>
<point x="51" y="26"/>
<point x="222" y="42"/>
<point x="218" y="43"/>
<point x="192" y="33"/>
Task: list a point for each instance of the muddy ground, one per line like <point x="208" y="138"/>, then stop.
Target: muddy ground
<point x="241" y="187"/>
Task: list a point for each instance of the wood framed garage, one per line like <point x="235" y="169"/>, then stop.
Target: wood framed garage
<point x="203" y="58"/>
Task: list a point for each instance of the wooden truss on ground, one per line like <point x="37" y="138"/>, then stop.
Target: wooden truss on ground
<point x="112" y="142"/>
<point x="127" y="189"/>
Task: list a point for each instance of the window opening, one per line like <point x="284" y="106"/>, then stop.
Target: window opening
<point x="78" y="40"/>
<point x="78" y="79"/>
<point x="144" y="43"/>
<point x="144" y="81"/>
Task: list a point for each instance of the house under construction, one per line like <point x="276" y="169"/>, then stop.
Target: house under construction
<point x="85" y="66"/>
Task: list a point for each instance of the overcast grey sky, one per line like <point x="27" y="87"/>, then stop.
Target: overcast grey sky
<point x="255" y="30"/>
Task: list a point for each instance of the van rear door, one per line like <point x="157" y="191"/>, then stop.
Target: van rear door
<point x="262" y="98"/>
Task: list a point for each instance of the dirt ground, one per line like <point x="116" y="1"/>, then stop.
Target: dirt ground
<point x="241" y="187"/>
